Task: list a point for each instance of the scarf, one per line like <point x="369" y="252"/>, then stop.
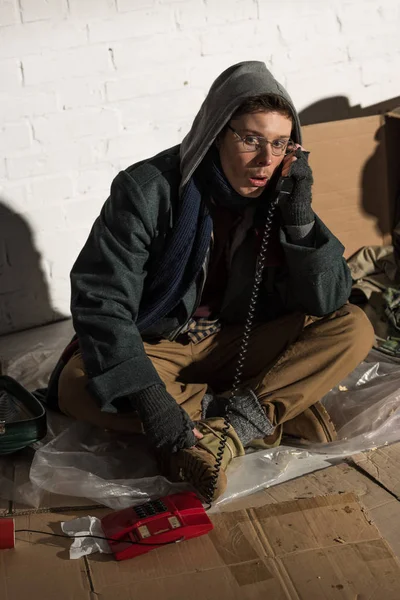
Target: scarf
<point x="189" y="239"/>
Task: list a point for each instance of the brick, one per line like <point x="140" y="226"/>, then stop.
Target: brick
<point x="45" y="219"/>
<point x="27" y="104"/>
<point x="178" y="50"/>
<point x="9" y="13"/>
<point x="127" y="5"/>
<point x="16" y="196"/>
<point x="128" y="144"/>
<point x="338" y="80"/>
<point x="81" y="93"/>
<point x="140" y="23"/>
<point x="32" y="38"/>
<point x="78" y="62"/>
<point x="61" y="249"/>
<point x="206" y="69"/>
<point x="88" y="9"/>
<point x="380" y="69"/>
<point x="51" y="190"/>
<point x="58" y="268"/>
<point x="373" y="46"/>
<point x="143" y="85"/>
<point x="219" y="13"/>
<point x="76" y="124"/>
<point x="222" y="39"/>
<point x="287" y="12"/>
<point x="315" y="28"/>
<point x="374" y="93"/>
<point x="365" y="20"/>
<point x="37" y="10"/>
<point x="53" y="159"/>
<point x="85" y="211"/>
<point x="10" y="74"/>
<point x="26" y="308"/>
<point x="390" y="12"/>
<point x="168" y="108"/>
<point x="129" y="148"/>
<point x="191" y="15"/>
<point x="15" y="136"/>
<point x="294" y="59"/>
<point x="3" y="171"/>
<point x="60" y="295"/>
<point x="95" y="180"/>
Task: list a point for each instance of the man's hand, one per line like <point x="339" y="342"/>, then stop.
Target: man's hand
<point x="296" y="207"/>
<point x="166" y="424"/>
<point x="289" y="160"/>
<point x="197" y="434"/>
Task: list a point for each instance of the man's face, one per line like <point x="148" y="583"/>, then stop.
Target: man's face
<point x="249" y="172"/>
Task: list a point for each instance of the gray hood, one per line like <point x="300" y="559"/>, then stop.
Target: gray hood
<point x="226" y="94"/>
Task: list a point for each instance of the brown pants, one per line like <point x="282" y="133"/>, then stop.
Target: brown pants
<point x="291" y="363"/>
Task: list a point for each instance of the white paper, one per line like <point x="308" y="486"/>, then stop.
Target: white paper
<point x="85" y="526"/>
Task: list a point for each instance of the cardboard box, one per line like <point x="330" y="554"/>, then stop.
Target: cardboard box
<point x="356" y="177"/>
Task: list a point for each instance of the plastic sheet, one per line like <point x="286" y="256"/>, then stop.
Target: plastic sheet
<point x="118" y="471"/>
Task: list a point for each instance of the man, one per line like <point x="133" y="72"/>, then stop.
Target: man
<point x="162" y="288"/>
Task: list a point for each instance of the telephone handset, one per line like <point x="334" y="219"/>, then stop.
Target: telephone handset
<point x="285" y="187"/>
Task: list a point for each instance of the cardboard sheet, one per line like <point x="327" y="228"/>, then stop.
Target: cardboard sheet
<point x="383" y="464"/>
<point x="383" y="508"/>
<point x="39" y="567"/>
<point x="250" y="555"/>
<point x="318" y="548"/>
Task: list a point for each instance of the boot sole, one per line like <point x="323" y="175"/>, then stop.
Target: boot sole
<point x="190" y="465"/>
<point x="324" y="421"/>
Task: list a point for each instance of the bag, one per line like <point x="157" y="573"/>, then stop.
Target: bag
<point x="22" y="416"/>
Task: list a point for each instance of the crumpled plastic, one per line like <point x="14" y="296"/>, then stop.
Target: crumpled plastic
<point x="117" y="470"/>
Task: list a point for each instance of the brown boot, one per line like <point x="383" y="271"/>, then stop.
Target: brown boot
<point x="312" y="425"/>
<point x="196" y="465"/>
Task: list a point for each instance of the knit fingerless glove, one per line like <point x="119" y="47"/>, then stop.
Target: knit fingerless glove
<point x="296" y="207"/>
<point x="165" y="423"/>
<point x="246" y="414"/>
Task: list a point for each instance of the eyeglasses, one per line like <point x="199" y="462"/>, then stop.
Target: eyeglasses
<point x="255" y="143"/>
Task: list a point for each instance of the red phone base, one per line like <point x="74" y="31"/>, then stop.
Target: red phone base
<point x="170" y="519"/>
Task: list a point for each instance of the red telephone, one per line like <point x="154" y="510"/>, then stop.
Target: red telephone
<point x="170" y="519"/>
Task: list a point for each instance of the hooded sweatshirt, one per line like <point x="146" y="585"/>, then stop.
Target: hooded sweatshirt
<point x="227" y="93"/>
<point x="114" y="271"/>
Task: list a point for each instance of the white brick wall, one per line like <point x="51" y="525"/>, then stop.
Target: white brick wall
<point x="88" y="86"/>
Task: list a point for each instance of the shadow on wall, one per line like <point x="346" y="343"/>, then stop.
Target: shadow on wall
<point x="337" y="109"/>
<point x="24" y="296"/>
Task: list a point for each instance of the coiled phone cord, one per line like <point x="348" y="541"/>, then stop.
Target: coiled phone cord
<point x="284" y="187"/>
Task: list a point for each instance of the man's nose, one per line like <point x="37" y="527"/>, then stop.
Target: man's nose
<point x="264" y="156"/>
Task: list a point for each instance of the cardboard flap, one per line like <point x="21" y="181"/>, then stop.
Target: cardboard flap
<point x="350" y="192"/>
